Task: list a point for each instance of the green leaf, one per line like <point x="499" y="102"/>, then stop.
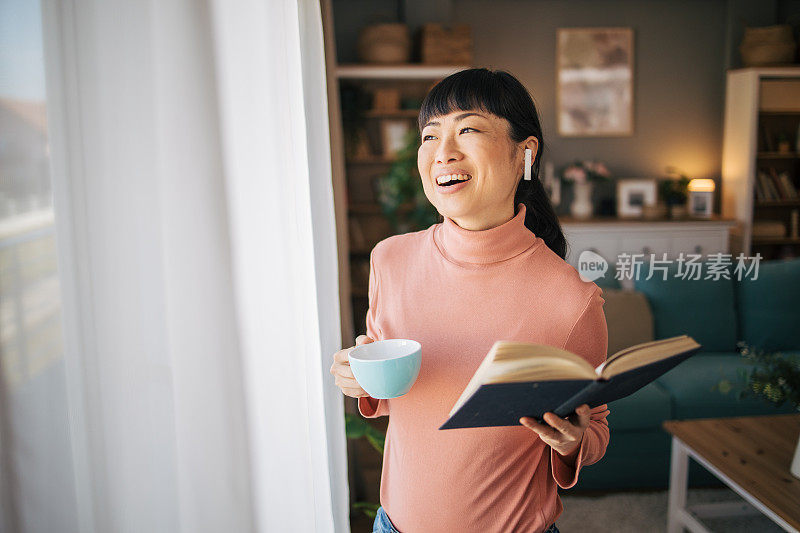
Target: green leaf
<point x="773" y="376"/>
<point x="368" y="508"/>
<point x="377" y="441"/>
<point x="401" y="187"/>
<point x="354" y="426"/>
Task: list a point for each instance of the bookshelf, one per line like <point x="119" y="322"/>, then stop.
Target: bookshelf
<point x="359" y="221"/>
<point x="358" y="160"/>
<point x="366" y="157"/>
<point x="761" y="160"/>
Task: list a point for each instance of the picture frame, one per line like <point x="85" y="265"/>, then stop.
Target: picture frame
<point x="633" y="194"/>
<point x="594" y="77"/>
<point x="393" y="135"/>
<point x="701" y="203"/>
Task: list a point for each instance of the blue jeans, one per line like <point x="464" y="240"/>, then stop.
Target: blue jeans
<point x="384" y="525"/>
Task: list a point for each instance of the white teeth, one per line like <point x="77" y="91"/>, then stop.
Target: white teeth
<point x="441" y="180"/>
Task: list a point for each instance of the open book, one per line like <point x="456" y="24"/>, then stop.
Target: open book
<point x="519" y="379"/>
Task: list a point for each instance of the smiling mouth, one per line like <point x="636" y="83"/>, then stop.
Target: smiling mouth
<point x="452" y="179"/>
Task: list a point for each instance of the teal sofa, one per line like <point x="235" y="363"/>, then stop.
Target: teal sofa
<point x="764" y="312"/>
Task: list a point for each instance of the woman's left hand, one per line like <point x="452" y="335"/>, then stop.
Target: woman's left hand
<point x="564" y="435"/>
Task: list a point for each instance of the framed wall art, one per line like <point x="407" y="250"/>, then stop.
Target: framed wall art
<point x="594" y="79"/>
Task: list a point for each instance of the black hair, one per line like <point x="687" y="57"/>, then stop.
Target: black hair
<point x="501" y="94"/>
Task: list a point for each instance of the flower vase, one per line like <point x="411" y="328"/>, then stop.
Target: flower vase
<point x="582" y="202"/>
<point x="795" y="468"/>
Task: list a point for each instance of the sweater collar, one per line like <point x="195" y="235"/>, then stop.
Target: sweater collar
<point x="486" y="246"/>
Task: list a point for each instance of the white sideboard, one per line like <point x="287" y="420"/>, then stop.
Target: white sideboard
<point x="612" y="237"/>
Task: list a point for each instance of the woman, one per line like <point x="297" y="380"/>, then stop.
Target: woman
<point x="493" y="269"/>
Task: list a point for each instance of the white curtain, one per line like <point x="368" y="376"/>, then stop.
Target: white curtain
<point x="195" y="219"/>
<point x="271" y="67"/>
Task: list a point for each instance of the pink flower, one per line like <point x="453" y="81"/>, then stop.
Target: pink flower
<point x="597" y="168"/>
<point x="601" y="169"/>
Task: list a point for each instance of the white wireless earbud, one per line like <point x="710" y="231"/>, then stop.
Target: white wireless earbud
<point x="527" y="163"/>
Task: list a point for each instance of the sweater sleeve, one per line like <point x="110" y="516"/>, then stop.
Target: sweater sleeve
<point x="589" y="339"/>
<point x="368" y="406"/>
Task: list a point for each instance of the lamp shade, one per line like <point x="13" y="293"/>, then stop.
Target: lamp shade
<point x="701" y="185"/>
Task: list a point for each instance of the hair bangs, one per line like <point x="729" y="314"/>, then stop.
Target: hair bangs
<point x="472" y="89"/>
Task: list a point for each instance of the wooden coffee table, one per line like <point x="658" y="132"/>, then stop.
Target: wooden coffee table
<point x="749" y="454"/>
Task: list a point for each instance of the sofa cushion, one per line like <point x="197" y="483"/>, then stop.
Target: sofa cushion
<point x="769" y="314"/>
<point x="647" y="408"/>
<point x="692" y="387"/>
<point x="702" y="308"/>
<point x="628" y="318"/>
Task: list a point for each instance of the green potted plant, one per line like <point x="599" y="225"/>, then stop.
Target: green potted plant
<point x="400" y="191"/>
<point x="773" y="377"/>
<point x="357" y="428"/>
<point x="675" y="191"/>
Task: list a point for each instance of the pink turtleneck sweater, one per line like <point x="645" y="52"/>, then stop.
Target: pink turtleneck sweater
<point x="458" y="291"/>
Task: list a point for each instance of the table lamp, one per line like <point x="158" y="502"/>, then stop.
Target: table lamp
<point x="701" y="197"/>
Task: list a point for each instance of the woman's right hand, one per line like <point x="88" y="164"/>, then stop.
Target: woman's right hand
<point x="342" y="372"/>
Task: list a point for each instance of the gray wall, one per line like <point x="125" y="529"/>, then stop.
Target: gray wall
<point x="678" y="75"/>
<point x="682" y="49"/>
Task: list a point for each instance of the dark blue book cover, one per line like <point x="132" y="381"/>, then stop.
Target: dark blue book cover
<point x="503" y="404"/>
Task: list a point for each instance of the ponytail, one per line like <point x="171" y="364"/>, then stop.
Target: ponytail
<point x="540" y="217"/>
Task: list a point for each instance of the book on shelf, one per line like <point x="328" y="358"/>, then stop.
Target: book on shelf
<point x="518" y="379"/>
<point x="782" y="193"/>
<point x="774" y="191"/>
<point x="771" y="185"/>
<point x="767" y="187"/>
<point x="759" y="189"/>
<point x="788" y="186"/>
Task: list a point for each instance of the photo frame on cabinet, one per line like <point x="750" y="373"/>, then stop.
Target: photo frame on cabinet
<point x="633" y="195"/>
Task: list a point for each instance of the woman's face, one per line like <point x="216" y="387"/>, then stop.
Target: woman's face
<point x="475" y="146"/>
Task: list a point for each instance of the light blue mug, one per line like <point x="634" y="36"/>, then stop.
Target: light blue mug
<point x="387" y="368"/>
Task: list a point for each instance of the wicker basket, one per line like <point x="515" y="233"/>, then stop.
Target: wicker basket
<point x="771" y="45"/>
<point x="768" y="34"/>
<point x="385" y="43"/>
<point x="759" y="55"/>
<point x="441" y="46"/>
<point x="769" y="228"/>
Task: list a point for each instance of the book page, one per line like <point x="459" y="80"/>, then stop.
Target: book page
<point x="509" y="362"/>
<point x="645" y="354"/>
<point x="523" y="361"/>
<point x="537" y="368"/>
